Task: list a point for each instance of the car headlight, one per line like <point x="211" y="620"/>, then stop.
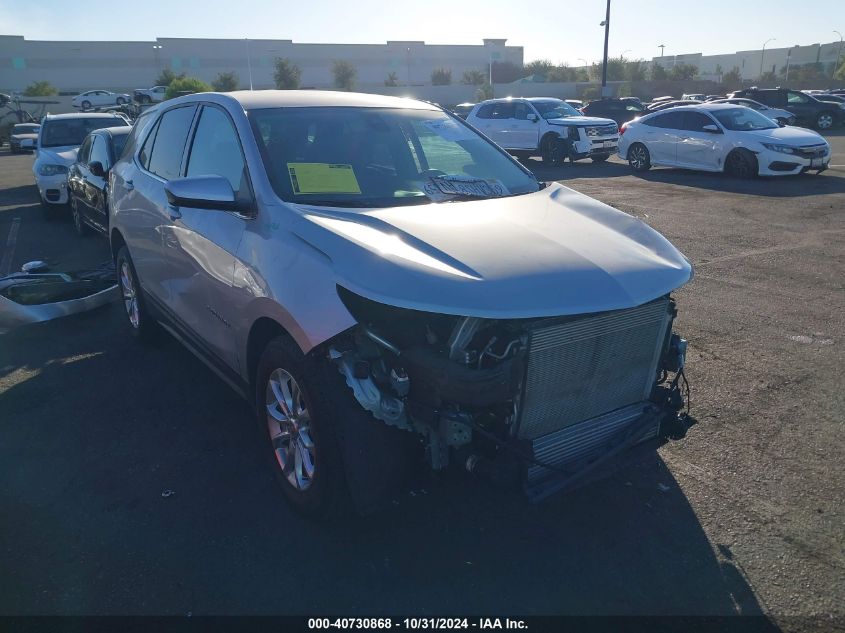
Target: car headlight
<point x="783" y="149"/>
<point x="48" y="169"/>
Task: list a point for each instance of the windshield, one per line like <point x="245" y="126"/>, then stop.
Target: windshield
<point x="555" y="109"/>
<point x="378" y="157"/>
<point x="25" y="128"/>
<point x="71" y="132"/>
<point x="743" y="119"/>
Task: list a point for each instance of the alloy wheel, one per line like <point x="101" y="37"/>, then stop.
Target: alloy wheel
<point x="130" y="295"/>
<point x="739" y="165"/>
<point x="289" y="426"/>
<point x="638" y="157"/>
<point x="825" y="121"/>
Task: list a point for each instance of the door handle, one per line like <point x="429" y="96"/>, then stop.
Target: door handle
<point x="129" y="185"/>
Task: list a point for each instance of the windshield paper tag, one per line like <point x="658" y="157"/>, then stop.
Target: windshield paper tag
<point x="449" y="130"/>
<point x="442" y="187"/>
<point x="308" y="178"/>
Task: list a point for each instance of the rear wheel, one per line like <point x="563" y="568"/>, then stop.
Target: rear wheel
<point x="86" y="105"/>
<point x="741" y="163"/>
<point x="639" y="158"/>
<point x="141" y="325"/>
<point x="824" y="121"/>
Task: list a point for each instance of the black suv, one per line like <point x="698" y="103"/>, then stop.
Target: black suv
<point x="620" y="110"/>
<point x="808" y="110"/>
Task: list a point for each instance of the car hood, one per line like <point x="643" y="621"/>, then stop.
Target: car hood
<point x="58" y="155"/>
<point x="789" y="135"/>
<point x="581" y="120"/>
<point x="553" y="252"/>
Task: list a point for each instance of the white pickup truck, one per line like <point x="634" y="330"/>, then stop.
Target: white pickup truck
<point x="149" y="95"/>
<point x="545" y="127"/>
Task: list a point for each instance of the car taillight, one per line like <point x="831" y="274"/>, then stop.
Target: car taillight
<point x="623" y="128"/>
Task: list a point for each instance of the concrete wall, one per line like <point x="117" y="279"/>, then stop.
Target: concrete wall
<point x="123" y="66"/>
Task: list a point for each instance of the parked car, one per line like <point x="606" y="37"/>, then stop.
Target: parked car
<point x="808" y="110"/>
<point x="368" y="270"/>
<point x="550" y="128"/>
<point x="58" y="141"/>
<point x="656" y="106"/>
<point x="721" y="137"/>
<point x="693" y="97"/>
<point x="150" y="95"/>
<point x="784" y="117"/>
<point x="87" y="178"/>
<point x="620" y="110"/>
<point x="575" y="103"/>
<point x="99" y="99"/>
<point x="832" y="98"/>
<point x="664" y="98"/>
<point x="463" y="109"/>
<point x="21" y="132"/>
<point x="713" y="97"/>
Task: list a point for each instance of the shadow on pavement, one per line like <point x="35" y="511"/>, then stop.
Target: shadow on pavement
<point x="95" y="428"/>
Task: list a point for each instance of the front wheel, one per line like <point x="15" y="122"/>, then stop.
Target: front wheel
<point x="824" y="121"/>
<point x="78" y="223"/>
<point x="741" y="163"/>
<point x="639" y="158"/>
<point x="551" y="151"/>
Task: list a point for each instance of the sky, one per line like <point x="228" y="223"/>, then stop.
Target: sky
<point x="562" y="31"/>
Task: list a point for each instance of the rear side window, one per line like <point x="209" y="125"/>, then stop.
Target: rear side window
<point x="216" y="150"/>
<point x="670" y="120"/>
<point x="169" y="143"/>
<point x="695" y="121"/>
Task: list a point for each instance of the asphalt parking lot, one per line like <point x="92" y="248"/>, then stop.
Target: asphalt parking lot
<point x="745" y="516"/>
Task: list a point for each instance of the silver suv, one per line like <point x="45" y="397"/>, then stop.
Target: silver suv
<point x="386" y="285"/>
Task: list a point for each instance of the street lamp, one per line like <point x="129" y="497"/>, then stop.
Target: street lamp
<point x="788" y="55"/>
<point x="606" y="25"/>
<point x="622" y="55"/>
<point x="838" y="56"/>
<point x="248" y="62"/>
<point x="661" y="47"/>
<point x="157" y="48"/>
<point x="763" y="54"/>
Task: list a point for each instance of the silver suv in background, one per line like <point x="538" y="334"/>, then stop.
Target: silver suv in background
<point x="386" y="285"/>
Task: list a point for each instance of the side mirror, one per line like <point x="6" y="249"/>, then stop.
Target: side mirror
<point x="97" y="169"/>
<point x="532" y="117"/>
<point x="713" y="129"/>
<point x="201" y="192"/>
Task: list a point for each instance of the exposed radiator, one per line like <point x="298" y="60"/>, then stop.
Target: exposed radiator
<point x="585" y="367"/>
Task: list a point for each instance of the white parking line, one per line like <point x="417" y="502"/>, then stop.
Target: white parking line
<point x="9" y="252"/>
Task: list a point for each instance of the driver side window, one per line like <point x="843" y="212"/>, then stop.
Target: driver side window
<point x="797" y="97"/>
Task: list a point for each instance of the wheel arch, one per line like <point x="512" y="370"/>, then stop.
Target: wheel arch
<point x="263" y="330"/>
<point x="117" y="242"/>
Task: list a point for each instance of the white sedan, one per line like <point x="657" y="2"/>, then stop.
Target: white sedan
<point x="721" y="137"/>
<point x="99" y="98"/>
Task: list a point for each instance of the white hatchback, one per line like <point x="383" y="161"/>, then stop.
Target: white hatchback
<point x="721" y="137"/>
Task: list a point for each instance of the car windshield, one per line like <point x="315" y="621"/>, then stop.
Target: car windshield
<point x="743" y="119"/>
<point x="71" y="132"/>
<point x="379" y="157"/>
<point x="25" y="128"/>
<point x="555" y="109"/>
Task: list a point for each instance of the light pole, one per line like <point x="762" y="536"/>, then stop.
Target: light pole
<point x="606" y="25"/>
<point x="788" y="55"/>
<point x="838" y="56"/>
<point x="408" y="64"/>
<point x="763" y="54"/>
<point x="661" y="47"/>
<point x="622" y="55"/>
<point x="248" y="62"/>
<point x="156" y="49"/>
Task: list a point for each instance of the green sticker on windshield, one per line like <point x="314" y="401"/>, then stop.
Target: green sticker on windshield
<point x="308" y="178"/>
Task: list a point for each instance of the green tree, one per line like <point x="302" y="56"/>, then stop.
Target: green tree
<point x="658" y="72"/>
<point x="839" y="75"/>
<point x="582" y="74"/>
<point x="286" y="74"/>
<point x="441" y="77"/>
<point x="768" y="79"/>
<point x="636" y="70"/>
<point x="344" y="74"/>
<point x="392" y="80"/>
<point x="40" y="89"/>
<point x="616" y="69"/>
<point x="166" y="77"/>
<point x="682" y="72"/>
<point x="485" y="91"/>
<point x="474" y="78"/>
<point x="732" y="80"/>
<point x="562" y="73"/>
<point x="225" y="82"/>
<point x="541" y="67"/>
<point x="185" y="85"/>
<point x="506" y="72"/>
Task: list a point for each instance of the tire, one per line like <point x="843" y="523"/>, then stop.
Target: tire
<point x="141" y="325"/>
<point x="824" y="121"/>
<point x="741" y="163"/>
<point x="551" y="151"/>
<point x="145" y="99"/>
<point x="599" y="159"/>
<point x="120" y="101"/>
<point x="639" y="157"/>
<point x="318" y="490"/>
<point x="82" y="229"/>
<point x="86" y="105"/>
